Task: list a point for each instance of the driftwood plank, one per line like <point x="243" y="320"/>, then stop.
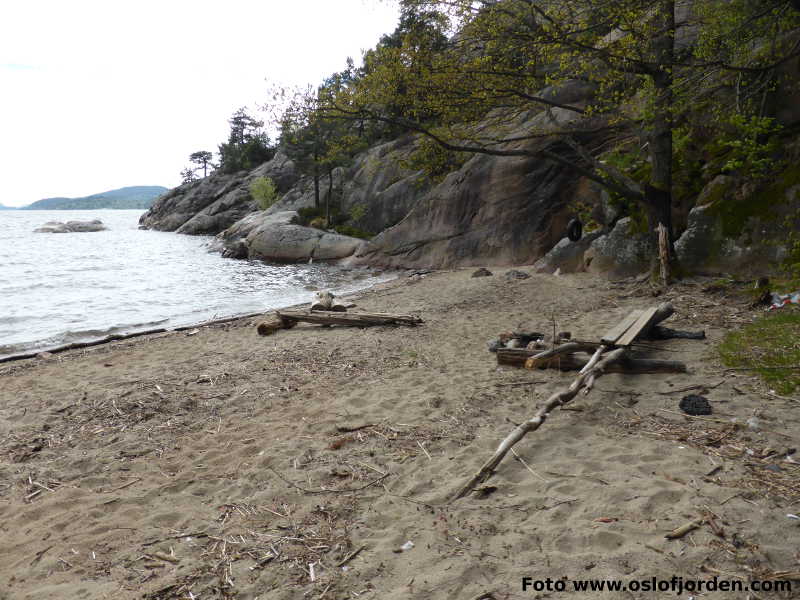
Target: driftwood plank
<point x="640" y="325"/>
<point x="615" y="333"/>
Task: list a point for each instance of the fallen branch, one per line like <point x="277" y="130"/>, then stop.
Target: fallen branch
<point x="585" y="380"/>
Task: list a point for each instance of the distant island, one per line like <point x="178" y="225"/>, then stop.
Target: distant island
<point x="132" y="197"/>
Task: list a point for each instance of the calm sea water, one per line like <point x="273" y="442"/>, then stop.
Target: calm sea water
<point x="66" y="287"/>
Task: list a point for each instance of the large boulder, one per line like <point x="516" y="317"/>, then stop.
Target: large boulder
<point x="567" y="256"/>
<point x="738" y="227"/>
<point x="287" y="243"/>
<point x="232" y="242"/>
<point x="71" y="227"/>
<point x="620" y="253"/>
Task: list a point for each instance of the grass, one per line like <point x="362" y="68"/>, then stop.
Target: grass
<point x="770" y="346"/>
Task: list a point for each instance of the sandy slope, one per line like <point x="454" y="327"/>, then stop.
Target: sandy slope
<point x="240" y="460"/>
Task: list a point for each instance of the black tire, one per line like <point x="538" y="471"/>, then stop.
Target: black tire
<point x="575" y="230"/>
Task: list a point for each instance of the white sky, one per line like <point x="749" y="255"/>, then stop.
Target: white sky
<point x="97" y="95"/>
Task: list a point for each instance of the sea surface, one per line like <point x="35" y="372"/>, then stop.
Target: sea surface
<point x="58" y="288"/>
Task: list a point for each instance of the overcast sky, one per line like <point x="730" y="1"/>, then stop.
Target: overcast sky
<point x="96" y="95"/>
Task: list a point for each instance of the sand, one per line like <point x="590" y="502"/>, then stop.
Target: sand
<point x="227" y="465"/>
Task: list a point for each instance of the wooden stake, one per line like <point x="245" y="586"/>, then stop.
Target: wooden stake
<point x="663" y="253"/>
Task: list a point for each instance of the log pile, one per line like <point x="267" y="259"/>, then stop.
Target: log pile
<point x="611" y="354"/>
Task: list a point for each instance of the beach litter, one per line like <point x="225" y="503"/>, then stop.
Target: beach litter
<point x="780" y="300"/>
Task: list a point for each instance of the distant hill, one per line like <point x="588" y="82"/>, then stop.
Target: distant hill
<point x="138" y="196"/>
<point x="6" y="207"/>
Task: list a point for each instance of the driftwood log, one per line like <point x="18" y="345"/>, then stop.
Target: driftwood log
<point x="519" y="357"/>
<point x="285" y="319"/>
<point x="585" y="380"/>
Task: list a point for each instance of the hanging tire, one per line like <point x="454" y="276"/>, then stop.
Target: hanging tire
<point x="575" y="230"/>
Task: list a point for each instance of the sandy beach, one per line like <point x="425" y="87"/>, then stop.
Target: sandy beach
<point x="227" y="465"/>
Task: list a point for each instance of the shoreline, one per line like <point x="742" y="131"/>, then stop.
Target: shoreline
<point x="116" y="337"/>
<point x="140" y="469"/>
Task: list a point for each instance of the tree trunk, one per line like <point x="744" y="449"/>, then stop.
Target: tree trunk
<point x="316" y="183"/>
<point x="328" y="200"/>
<point x="658" y="192"/>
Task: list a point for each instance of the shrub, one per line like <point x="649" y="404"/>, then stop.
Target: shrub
<point x="263" y="191"/>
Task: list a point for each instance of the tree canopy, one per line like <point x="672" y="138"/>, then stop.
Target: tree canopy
<point x="248" y="144"/>
<point x="496" y="84"/>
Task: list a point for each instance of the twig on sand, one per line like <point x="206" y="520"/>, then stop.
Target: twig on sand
<point x="350" y="556"/>
<point x="684" y="529"/>
<point x="324" y="491"/>
<point x="424" y="450"/>
<point x="526" y="465"/>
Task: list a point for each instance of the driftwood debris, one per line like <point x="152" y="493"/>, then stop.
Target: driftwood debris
<point x="610" y="355"/>
<point x="286" y="319"/>
<point x="327" y="301"/>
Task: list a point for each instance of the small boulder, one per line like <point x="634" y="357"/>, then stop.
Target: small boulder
<point x="71" y="227"/>
<point x="515" y="274"/>
<point x="482" y="272"/>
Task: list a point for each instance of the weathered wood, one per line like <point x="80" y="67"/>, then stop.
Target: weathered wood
<point x="663" y="253"/>
<point x="352" y="319"/>
<point x="322" y="301"/>
<point x="645" y="323"/>
<point x="585" y="380"/>
<point x="563" y="349"/>
<point x="616" y="332"/>
<point x="518" y="357"/>
<point x="639" y="325"/>
<point x="273" y="324"/>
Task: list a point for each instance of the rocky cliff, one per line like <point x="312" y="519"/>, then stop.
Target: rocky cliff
<point x="491" y="211"/>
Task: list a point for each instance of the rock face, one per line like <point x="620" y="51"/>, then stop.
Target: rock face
<point x="376" y="190"/>
<point x="71" y="227"/>
<point x="215" y="202"/>
<point x="494" y="210"/>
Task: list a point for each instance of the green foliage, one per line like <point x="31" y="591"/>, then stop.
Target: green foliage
<point x="434" y="160"/>
<point x="247" y="146"/>
<point x="313" y="216"/>
<point x="791" y="263"/>
<point x="264" y="192"/>
<point x="357" y="212"/>
<point x="188" y="176"/>
<point x="353" y="232"/>
<point x="770" y="347"/>
<point x="751" y="143"/>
